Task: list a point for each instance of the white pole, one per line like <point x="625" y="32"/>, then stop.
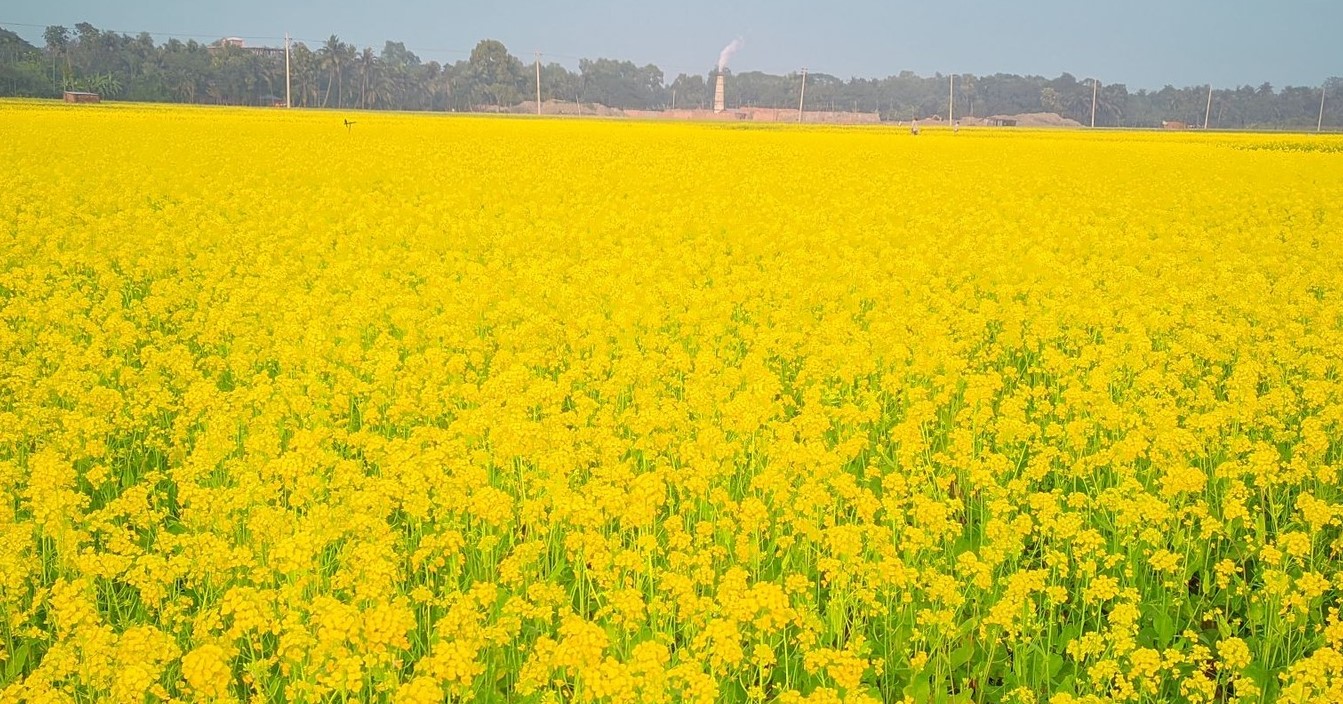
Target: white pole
<point x="802" y="102"/>
<point x="951" y="100"/>
<point x="1207" y="116"/>
<point x="1319" y="125"/>
<point x="1095" y="86"/>
<point x="288" y="103"/>
<point x="538" y="83"/>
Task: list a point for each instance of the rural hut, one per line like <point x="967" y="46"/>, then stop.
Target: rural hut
<point x="77" y="96"/>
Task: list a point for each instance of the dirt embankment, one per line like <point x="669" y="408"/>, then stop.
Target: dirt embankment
<point x="557" y="107"/>
<point x="1030" y="119"/>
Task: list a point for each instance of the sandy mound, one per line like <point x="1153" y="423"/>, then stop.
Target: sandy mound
<point x="1040" y="119"/>
<point x="560" y="107"/>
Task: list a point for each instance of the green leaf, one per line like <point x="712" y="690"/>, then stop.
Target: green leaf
<point x="1165" y="629"/>
<point x="918" y="689"/>
<point x="1070" y="633"/>
<point x="1056" y="663"/>
<point x="1147" y="635"/>
<point x="1259" y="674"/>
<point x="962" y="655"/>
<point x="14" y="667"/>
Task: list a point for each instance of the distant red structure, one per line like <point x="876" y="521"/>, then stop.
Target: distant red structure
<point x="228" y="43"/>
<point x="77" y="96"/>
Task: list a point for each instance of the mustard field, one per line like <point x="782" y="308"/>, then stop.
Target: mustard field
<point x="444" y="409"/>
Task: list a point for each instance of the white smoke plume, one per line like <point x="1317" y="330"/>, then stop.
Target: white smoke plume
<point x="726" y="54"/>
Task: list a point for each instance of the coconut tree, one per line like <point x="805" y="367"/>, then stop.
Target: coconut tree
<point x="334" y="57"/>
<point x="366" y="68"/>
<point x="382" y="88"/>
<point x="306" y="68"/>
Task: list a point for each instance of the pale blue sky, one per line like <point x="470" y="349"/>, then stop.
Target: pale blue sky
<point x="1144" y="43"/>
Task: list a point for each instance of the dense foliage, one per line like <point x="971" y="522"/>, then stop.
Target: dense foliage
<point x="336" y="74"/>
<point x="535" y="411"/>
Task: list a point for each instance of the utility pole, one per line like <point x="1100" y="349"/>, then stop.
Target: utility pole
<point x="951" y="100"/>
<point x="538" y="83"/>
<point x="802" y="102"/>
<point x="1319" y="125"/>
<point x="1095" y="86"/>
<point x="1207" y="116"/>
<point x="288" y="103"/>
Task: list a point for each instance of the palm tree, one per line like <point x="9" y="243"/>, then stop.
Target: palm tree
<point x="349" y="56"/>
<point x="379" y="90"/>
<point x="332" y="59"/>
<point x="366" y="67"/>
<point x="306" y="66"/>
<point x="1110" y="100"/>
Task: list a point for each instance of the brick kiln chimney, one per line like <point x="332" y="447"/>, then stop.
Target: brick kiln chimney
<point x="719" y="104"/>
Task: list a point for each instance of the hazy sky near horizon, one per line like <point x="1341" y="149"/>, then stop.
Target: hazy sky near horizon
<point x="1142" y="43"/>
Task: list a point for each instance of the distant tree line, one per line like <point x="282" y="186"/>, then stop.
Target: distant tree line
<point x="335" y="74"/>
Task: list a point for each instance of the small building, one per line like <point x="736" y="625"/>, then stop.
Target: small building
<point x="1000" y="121"/>
<point x="1174" y="125"/>
<point x="78" y="96"/>
<point x="273" y="101"/>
